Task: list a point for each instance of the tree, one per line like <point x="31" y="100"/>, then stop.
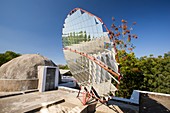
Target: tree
<point x="156" y="73"/>
<point x="7" y="56"/>
<point x="132" y="75"/>
<point x="145" y="73"/>
<point x="121" y="36"/>
<point x="63" y="67"/>
<point x="88" y="38"/>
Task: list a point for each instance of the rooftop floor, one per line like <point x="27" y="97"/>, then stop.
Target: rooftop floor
<point x="55" y="101"/>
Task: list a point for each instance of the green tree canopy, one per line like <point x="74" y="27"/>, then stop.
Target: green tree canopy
<point x="7" y="56"/>
<point x="63" y="67"/>
<point x="145" y="73"/>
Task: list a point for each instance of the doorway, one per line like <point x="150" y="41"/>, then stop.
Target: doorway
<point x="50" y="79"/>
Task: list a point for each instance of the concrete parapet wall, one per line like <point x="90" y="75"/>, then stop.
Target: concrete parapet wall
<point x="7" y="85"/>
<point x="154" y="103"/>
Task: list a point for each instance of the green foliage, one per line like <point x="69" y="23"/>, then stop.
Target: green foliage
<point x="63" y="67"/>
<point x="7" y="56"/>
<point x="145" y="73"/>
<point x="156" y="72"/>
<point x="132" y="75"/>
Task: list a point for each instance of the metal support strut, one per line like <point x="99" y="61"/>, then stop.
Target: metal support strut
<point x="89" y="96"/>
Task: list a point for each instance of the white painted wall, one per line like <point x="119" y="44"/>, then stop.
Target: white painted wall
<point x="42" y="71"/>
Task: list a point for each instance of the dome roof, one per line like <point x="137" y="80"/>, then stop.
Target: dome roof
<point x="24" y="67"/>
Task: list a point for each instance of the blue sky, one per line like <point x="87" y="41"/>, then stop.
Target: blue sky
<point x="35" y="26"/>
